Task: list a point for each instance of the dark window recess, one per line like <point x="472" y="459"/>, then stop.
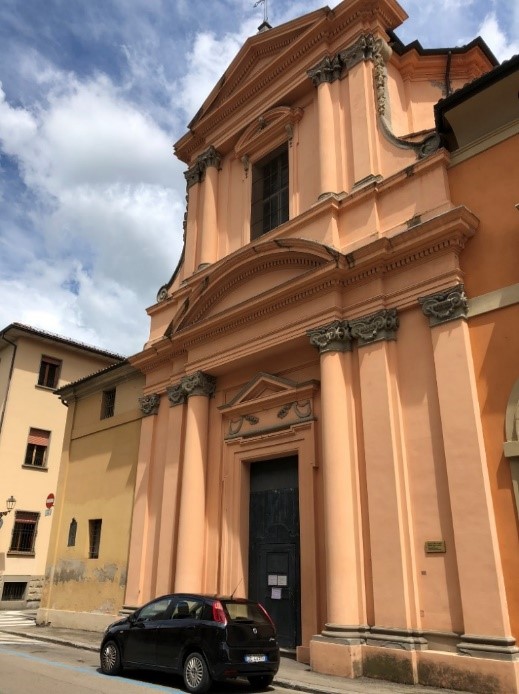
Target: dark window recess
<point x="14" y="591"/>
<point x="24" y="532"/>
<point x="72" y="533"/>
<point x="269" y="192"/>
<point x="37" y="445"/>
<point x="108" y="403"/>
<point x="94" y="535"/>
<point x="49" y="372"/>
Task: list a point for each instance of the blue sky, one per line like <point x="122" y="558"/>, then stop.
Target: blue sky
<point x="93" y="93"/>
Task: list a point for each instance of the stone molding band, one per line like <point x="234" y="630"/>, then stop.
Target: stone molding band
<point x="196" y="172"/>
<point x="199" y="383"/>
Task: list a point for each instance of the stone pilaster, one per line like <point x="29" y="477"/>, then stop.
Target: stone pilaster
<point x="484" y="602"/>
<point x="324" y="76"/>
<point x="198" y="387"/>
<point x="346" y="611"/>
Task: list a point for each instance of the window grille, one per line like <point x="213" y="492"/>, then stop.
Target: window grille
<point x="37" y="445"/>
<point x="108" y="403"/>
<point x="269" y="192"/>
<point x="94" y="534"/>
<point x="14" y="590"/>
<point x="24" y="532"/>
<point x="49" y="372"/>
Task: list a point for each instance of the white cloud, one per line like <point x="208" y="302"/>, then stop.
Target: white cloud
<point x="113" y="200"/>
<point x="492" y="33"/>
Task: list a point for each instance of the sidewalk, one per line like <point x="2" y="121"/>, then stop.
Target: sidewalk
<point x="291" y="674"/>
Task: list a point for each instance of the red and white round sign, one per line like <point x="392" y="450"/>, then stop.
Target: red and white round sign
<point x="50" y="501"/>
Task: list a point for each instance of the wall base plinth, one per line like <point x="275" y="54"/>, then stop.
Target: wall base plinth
<point x="67" y="619"/>
<point x="488" y="647"/>
<point x="479" y="675"/>
<point x="484" y="674"/>
<point x="407" y="639"/>
<point x="333" y="656"/>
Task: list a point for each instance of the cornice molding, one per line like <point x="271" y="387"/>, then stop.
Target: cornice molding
<point x="445" y="306"/>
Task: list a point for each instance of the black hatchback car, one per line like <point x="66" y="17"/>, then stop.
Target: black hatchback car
<point x="202" y="638"/>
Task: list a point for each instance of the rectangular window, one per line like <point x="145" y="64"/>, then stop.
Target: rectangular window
<point x="14" y="590"/>
<point x="50" y="369"/>
<point x="94" y="535"/>
<point x="24" y="532"/>
<point x="108" y="403"/>
<point x="269" y="192"/>
<point x="37" y="445"/>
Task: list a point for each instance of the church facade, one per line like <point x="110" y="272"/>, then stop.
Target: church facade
<point x="313" y="435"/>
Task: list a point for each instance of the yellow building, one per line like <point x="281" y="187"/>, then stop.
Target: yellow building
<point x="33" y="364"/>
<point x="88" y="552"/>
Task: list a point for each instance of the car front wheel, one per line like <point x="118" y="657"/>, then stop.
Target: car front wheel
<point x="111" y="659"/>
<point x="196" y="674"/>
<point x="259" y="683"/>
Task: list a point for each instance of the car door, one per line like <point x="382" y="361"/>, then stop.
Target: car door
<point x="140" y="647"/>
<point x="179" y="631"/>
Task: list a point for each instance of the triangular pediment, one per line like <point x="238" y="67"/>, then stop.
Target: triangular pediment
<point x="263" y="385"/>
<point x="257" y="54"/>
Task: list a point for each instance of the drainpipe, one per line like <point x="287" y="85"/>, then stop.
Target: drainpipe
<point x="15" y="346"/>
<point x="448" y="75"/>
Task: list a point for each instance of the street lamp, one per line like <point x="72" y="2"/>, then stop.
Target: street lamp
<point x="10" y="503"/>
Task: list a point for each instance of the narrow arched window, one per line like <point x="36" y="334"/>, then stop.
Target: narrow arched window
<point x="72" y="533"/>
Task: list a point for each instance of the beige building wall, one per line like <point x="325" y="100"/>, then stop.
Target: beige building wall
<point x="27" y="405"/>
<point x="96" y="484"/>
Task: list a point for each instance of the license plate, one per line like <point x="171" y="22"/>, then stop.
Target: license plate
<point x="256" y="658"/>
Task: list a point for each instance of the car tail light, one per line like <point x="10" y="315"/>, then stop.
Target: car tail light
<point x="218" y="613"/>
<point x="266" y="614"/>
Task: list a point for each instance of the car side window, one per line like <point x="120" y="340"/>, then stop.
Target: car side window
<point x="188" y="609"/>
<point x="159" y="609"/>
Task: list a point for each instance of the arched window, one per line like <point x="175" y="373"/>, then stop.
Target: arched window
<point x="72" y="533"/>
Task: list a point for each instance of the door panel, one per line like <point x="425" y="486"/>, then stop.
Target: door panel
<point x="274" y="575"/>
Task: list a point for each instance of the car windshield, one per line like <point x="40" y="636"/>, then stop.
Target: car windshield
<point x="245" y="612"/>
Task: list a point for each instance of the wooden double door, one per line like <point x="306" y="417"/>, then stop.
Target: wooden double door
<point x="274" y="548"/>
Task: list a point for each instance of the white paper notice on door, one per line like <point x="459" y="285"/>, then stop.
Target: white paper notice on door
<point x="276" y="594"/>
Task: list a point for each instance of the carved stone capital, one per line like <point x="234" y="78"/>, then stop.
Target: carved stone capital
<point x="211" y="157"/>
<point x="381" y="325"/>
<point x="327" y="70"/>
<point x="445" y="306"/>
<point x="199" y="383"/>
<point x="176" y="395"/>
<point x="334" y="337"/>
<point x="149" y="404"/>
<point x="193" y="175"/>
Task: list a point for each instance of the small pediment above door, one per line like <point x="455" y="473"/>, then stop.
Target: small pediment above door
<point x="268" y="403"/>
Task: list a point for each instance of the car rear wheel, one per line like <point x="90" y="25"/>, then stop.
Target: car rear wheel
<point x="111" y="659"/>
<point x="196" y="674"/>
<point x="259" y="683"/>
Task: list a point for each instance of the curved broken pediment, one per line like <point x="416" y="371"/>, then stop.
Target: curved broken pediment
<point x="250" y="273"/>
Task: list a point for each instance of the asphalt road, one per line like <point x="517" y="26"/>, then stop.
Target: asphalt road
<point x="35" y="667"/>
